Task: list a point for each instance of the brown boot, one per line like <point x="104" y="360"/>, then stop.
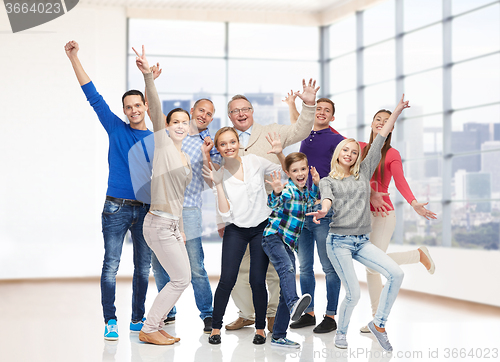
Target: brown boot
<point x="270" y="324"/>
<point x="155" y="338"/>
<point x="239" y="323"/>
<point x="176" y="339"/>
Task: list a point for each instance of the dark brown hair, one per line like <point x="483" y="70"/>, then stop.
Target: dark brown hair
<point x="326" y="100"/>
<point x="175" y="110"/>
<point x="387" y="145"/>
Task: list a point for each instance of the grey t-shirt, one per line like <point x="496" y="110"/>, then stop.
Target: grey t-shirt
<point x="350" y="197"/>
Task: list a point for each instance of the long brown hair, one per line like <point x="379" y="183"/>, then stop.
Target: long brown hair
<point x="387" y="145"/>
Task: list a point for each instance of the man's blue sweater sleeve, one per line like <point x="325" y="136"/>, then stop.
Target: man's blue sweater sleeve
<point x="107" y="118"/>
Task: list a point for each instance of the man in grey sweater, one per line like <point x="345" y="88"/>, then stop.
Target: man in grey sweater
<point x="253" y="141"/>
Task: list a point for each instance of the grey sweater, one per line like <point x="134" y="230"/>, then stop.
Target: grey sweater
<point x="350" y="197"/>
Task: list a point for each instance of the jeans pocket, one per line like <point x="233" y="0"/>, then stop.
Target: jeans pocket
<point x="111" y="207"/>
<point x="341" y="241"/>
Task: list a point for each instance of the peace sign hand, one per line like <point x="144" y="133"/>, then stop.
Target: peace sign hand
<point x="141" y="61"/>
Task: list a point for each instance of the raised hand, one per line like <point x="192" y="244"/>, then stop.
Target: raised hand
<point x="402" y="105"/>
<point x="156" y="70"/>
<point x="207" y="145"/>
<point x="275" y="142"/>
<point x="71" y="48"/>
<point x="141" y="61"/>
<point x="276" y="183"/>
<point x="290" y="98"/>
<point x="315" y="175"/>
<point x="422" y="211"/>
<point x="214" y="175"/>
<point x="309" y="92"/>
<point x="379" y="204"/>
<point x="317" y="215"/>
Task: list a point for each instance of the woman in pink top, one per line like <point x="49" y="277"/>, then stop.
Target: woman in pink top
<point x="383" y="215"/>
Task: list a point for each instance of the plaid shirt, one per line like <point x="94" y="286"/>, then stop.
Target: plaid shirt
<point x="289" y="212"/>
<point x="192" y="146"/>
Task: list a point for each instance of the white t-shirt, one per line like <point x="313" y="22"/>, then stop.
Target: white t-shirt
<point x="248" y="198"/>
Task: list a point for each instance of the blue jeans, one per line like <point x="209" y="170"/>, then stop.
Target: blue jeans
<point x="283" y="259"/>
<point x="116" y="220"/>
<point x="234" y="245"/>
<point x="342" y="249"/>
<point x="310" y="233"/>
<point x="191" y="217"/>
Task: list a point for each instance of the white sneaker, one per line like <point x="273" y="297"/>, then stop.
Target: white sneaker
<point x="340" y="341"/>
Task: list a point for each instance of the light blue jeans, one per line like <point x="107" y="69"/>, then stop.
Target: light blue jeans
<point x="191" y="217"/>
<point x="342" y="249"/>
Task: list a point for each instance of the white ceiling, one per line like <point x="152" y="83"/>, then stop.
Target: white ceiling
<point x="294" y="6"/>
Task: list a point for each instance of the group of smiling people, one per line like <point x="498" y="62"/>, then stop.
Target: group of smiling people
<point x="335" y="196"/>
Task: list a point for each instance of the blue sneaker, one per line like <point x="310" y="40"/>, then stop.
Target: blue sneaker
<point x="284" y="342"/>
<point x="137" y="326"/>
<point x="111" y="330"/>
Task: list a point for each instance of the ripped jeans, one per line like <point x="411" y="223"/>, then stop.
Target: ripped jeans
<point x="341" y="250"/>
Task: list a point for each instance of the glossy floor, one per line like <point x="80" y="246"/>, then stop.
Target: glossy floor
<point x="61" y="321"/>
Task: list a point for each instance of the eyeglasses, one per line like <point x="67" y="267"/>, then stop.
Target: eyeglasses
<point x="244" y="110"/>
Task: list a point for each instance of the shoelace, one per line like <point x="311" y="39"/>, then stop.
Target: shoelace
<point x="112" y="328"/>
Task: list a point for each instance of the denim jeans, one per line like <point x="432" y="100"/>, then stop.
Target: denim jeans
<point x="234" y="245"/>
<point x="116" y="220"/>
<point x="317" y="232"/>
<point x="191" y="217"/>
<point x="283" y="259"/>
<point x="342" y="249"/>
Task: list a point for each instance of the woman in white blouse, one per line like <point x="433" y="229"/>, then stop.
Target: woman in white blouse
<point x="242" y="201"/>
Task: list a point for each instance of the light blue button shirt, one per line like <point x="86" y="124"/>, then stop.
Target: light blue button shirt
<point x="244" y="136"/>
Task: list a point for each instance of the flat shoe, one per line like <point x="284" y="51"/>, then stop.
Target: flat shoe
<point x="176" y="339"/>
<point x="258" y="339"/>
<point x="432" y="269"/>
<point x="215" y="339"/>
<point x="155" y="338"/>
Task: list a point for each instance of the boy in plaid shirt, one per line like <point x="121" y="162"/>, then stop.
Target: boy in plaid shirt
<point x="289" y="205"/>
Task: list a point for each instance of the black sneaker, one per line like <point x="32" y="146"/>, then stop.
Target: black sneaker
<point x="305" y="320"/>
<point x="208" y="325"/>
<point x="169" y="320"/>
<point x="327" y="325"/>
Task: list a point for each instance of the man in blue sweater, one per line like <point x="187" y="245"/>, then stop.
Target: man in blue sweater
<point x="122" y="210"/>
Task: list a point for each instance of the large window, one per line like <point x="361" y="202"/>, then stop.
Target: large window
<point x="218" y="60"/>
<point x="443" y="54"/>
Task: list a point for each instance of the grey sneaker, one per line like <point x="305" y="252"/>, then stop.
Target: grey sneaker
<point x="340" y="341"/>
<point x="300" y="306"/>
<point x="381" y="337"/>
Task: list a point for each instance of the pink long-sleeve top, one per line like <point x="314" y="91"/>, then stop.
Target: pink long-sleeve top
<point x="393" y="168"/>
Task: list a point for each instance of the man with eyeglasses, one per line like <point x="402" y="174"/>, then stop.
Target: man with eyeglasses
<point x="253" y="141"/>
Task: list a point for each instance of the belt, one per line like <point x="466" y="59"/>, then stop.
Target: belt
<point x="125" y="201"/>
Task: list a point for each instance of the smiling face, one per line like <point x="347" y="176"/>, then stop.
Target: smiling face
<point x="298" y="172"/>
<point x="178" y="126"/>
<point x="324" y="115"/>
<point x="202" y="114"/>
<point x="348" y="155"/>
<point x="241" y="120"/>
<point x="227" y="144"/>
<point x="379" y="121"/>
<point x="135" y="110"/>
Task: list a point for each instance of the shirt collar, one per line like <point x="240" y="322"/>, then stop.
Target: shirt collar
<point x="248" y="131"/>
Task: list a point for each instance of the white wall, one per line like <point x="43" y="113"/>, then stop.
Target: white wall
<point x="53" y="153"/>
<point x="53" y="150"/>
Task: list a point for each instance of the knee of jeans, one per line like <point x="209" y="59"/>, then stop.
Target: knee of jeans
<point x="110" y="266"/>
<point x="398" y="275"/>
<point x="183" y="282"/>
<point x="353" y="296"/>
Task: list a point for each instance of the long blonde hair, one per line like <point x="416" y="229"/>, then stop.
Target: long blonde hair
<point x="337" y="172"/>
